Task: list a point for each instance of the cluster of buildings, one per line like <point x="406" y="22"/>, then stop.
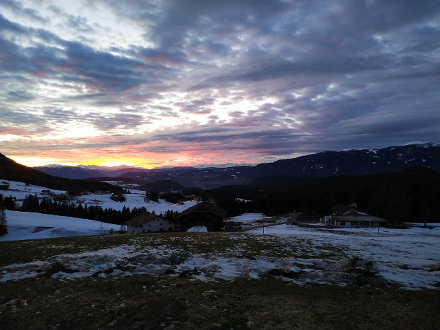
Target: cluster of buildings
<point x="208" y="215"/>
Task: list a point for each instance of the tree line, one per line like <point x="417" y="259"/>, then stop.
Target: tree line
<point x="93" y="212"/>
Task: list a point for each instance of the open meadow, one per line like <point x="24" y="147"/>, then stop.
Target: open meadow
<point x="290" y="277"/>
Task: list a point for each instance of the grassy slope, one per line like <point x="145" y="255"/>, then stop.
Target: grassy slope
<point x="148" y="302"/>
<point x="44" y="249"/>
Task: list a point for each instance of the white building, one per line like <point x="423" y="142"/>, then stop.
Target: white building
<point x="349" y="216"/>
<point x="148" y="223"/>
<point x="352" y="220"/>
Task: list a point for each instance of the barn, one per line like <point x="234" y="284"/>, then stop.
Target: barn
<point x="148" y="223"/>
<point x="353" y="220"/>
<point x="206" y="214"/>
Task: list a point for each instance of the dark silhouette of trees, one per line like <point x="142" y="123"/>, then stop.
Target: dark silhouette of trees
<point x="7" y="202"/>
<point x="93" y="212"/>
<point x="410" y="195"/>
<point x="173" y="197"/>
<point x="152" y="196"/>
<point x="118" y="197"/>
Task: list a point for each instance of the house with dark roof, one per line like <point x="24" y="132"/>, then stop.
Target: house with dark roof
<point x="356" y="220"/>
<point x="202" y="214"/>
<point x="349" y="216"/>
<point x="148" y="223"/>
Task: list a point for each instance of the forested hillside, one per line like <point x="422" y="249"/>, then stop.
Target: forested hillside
<point x="410" y="195"/>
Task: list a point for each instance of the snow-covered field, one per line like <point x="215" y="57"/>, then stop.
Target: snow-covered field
<point x="135" y="199"/>
<point x="20" y="190"/>
<point x="248" y="217"/>
<point x="407" y="256"/>
<point x="31" y="225"/>
<point x="27" y="225"/>
<point x="404" y="258"/>
<point x="198" y="229"/>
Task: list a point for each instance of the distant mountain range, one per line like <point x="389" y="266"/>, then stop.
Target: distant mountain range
<point x="323" y="164"/>
<point x="86" y="172"/>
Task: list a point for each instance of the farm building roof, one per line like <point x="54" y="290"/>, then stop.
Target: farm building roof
<point x="204" y="207"/>
<point x="140" y="219"/>
<point x="358" y="218"/>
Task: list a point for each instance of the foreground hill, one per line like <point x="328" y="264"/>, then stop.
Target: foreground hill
<point x="11" y="170"/>
<point x="224" y="281"/>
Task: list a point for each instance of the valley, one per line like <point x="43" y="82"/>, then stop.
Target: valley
<point x="279" y="267"/>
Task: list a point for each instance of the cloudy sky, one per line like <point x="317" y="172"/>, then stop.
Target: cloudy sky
<point x="191" y="82"/>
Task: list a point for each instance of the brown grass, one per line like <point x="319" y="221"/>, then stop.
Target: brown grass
<point x="146" y="302"/>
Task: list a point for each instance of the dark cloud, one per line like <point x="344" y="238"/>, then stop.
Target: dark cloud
<point x="17" y="117"/>
<point x="102" y="121"/>
<point x="321" y="67"/>
<point x="24" y="12"/>
<point x="75" y="61"/>
<point x="271" y="78"/>
<point x="104" y="70"/>
<point x="180" y="18"/>
<point x="18" y="96"/>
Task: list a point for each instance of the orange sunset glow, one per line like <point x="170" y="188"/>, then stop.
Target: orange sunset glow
<point x="172" y="85"/>
<point x="135" y="162"/>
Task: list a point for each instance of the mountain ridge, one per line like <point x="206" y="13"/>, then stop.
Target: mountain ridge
<point x="322" y="164"/>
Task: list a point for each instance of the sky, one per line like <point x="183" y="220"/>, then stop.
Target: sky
<point x="199" y="82"/>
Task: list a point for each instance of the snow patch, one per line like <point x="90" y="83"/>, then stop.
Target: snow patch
<point x="402" y="256"/>
<point x="32" y="225"/>
<point x="198" y="229"/>
<point x="248" y="217"/>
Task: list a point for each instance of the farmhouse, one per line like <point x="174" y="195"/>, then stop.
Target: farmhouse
<point x="202" y="214"/>
<point x="148" y="223"/>
<point x="349" y="216"/>
<point x="353" y="220"/>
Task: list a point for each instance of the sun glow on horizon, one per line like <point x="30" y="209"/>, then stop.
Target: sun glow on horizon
<point x="113" y="162"/>
<point x="105" y="162"/>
